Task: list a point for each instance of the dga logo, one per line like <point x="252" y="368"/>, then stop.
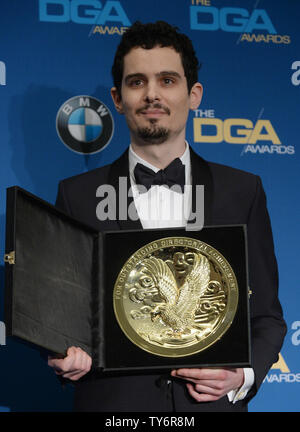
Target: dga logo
<point x="84" y="124"/>
<point x="203" y="16"/>
<point x="296" y="334"/>
<point x="255" y="136"/>
<point x="91" y="12"/>
<point x="2" y="73"/>
<point x="296" y="75"/>
<point x="285" y="374"/>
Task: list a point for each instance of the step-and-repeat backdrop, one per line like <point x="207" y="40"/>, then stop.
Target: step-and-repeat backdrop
<point x="56" y="55"/>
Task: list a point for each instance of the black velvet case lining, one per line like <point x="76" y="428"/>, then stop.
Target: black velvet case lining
<point x="232" y="349"/>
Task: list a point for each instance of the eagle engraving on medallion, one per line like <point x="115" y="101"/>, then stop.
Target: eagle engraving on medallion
<point x="179" y="303"/>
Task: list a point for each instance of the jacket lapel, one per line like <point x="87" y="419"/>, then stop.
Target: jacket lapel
<point x="119" y="178"/>
<point x="201" y="175"/>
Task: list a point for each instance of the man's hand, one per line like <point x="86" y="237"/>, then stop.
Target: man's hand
<point x="207" y="385"/>
<point x="76" y="364"/>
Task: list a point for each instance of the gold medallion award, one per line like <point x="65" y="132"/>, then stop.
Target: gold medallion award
<point x="175" y="296"/>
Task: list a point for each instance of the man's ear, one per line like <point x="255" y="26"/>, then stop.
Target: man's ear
<point x="196" y="96"/>
<point x="116" y="97"/>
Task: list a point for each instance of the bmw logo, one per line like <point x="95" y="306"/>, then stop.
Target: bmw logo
<point x="84" y="124"/>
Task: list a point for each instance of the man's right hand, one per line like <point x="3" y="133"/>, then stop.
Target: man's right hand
<point x="76" y="364"/>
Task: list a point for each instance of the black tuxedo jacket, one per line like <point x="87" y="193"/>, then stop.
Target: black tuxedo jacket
<point x="231" y="197"/>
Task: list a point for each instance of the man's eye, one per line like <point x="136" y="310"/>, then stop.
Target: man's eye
<point x="168" y="81"/>
<point x="136" y="83"/>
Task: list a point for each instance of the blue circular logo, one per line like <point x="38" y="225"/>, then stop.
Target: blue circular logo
<point x="84" y="124"/>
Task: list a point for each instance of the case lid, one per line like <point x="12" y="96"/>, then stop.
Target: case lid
<point x="48" y="288"/>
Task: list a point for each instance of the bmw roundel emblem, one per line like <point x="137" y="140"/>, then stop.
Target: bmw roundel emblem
<point x="84" y="124"/>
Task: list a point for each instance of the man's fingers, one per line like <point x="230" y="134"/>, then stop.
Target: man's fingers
<point x="55" y="363"/>
<point x="215" y="385"/>
<point x="214" y="391"/>
<point x="77" y="362"/>
<point x="83" y="362"/>
<point x="86" y="362"/>
<point x="200" y="397"/>
<point x="200" y="374"/>
<point x="74" y="376"/>
<point x="74" y="359"/>
<point x="210" y="384"/>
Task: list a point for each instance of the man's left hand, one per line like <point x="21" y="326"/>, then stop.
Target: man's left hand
<point x="206" y="385"/>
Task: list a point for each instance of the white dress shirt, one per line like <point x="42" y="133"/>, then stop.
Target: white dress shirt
<point x="161" y="207"/>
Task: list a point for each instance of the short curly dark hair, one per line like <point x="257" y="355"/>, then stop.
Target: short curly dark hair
<point x="148" y="36"/>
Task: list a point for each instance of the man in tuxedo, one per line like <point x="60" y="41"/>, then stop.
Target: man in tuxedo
<point x="155" y="74"/>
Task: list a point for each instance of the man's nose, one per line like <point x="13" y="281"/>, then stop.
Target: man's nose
<point x="151" y="92"/>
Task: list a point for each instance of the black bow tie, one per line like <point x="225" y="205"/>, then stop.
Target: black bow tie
<point x="173" y="174"/>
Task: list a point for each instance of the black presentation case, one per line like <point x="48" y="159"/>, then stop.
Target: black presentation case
<point x="59" y="280"/>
